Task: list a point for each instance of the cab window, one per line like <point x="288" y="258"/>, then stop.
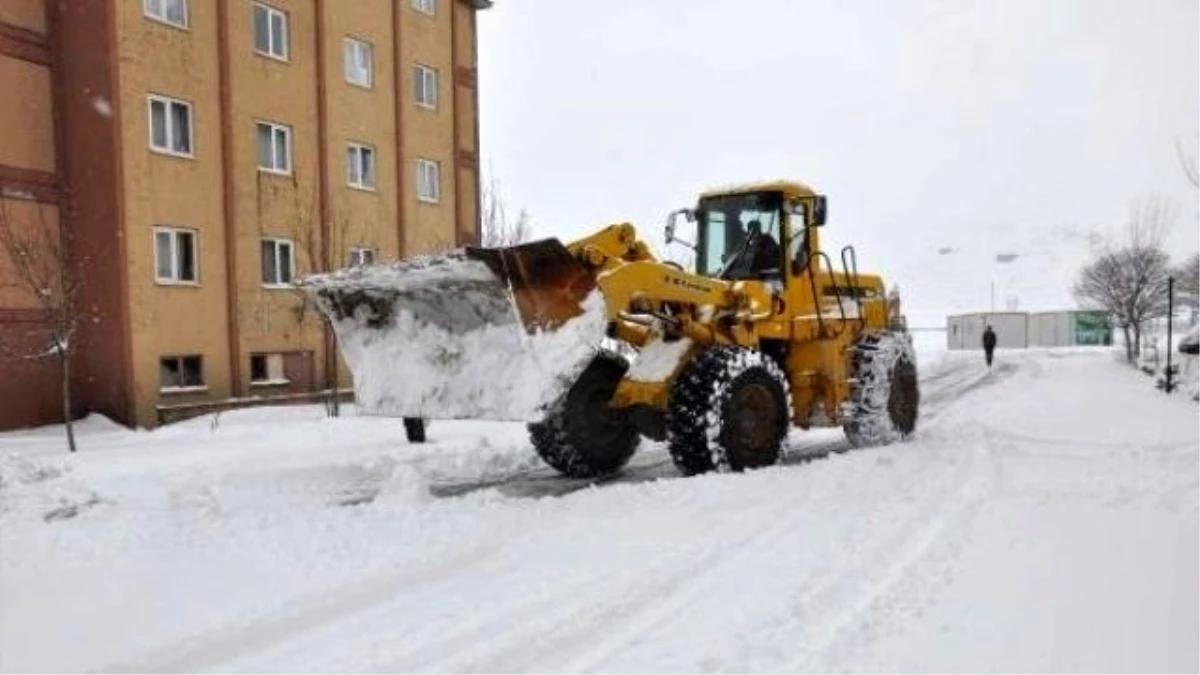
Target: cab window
<point x="725" y="224"/>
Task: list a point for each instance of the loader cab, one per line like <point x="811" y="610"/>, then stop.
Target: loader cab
<point x="753" y="235"/>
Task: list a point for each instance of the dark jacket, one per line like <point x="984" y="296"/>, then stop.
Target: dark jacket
<point x="989" y="340"/>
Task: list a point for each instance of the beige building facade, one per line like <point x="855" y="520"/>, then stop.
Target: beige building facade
<point x="201" y="155"/>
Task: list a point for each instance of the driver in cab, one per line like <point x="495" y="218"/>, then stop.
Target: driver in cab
<point x="763" y="249"/>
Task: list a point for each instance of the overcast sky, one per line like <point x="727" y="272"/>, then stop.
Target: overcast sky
<point x="979" y="126"/>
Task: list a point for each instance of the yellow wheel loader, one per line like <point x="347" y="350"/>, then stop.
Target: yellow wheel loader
<point x="597" y="343"/>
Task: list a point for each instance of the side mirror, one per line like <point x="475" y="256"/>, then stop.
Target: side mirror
<point x="819" y="211"/>
<point x="688" y="215"/>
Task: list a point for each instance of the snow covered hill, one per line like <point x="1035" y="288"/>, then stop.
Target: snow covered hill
<point x="1044" y="519"/>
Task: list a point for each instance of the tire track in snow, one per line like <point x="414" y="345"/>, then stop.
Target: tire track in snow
<point x="464" y="635"/>
<point x="843" y="604"/>
<point x="846" y="603"/>
<point x="843" y="595"/>
<point x="209" y="650"/>
<point x="481" y="640"/>
<point x="643" y="604"/>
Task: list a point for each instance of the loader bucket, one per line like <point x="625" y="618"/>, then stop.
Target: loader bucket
<point x="478" y="333"/>
<point x="548" y="284"/>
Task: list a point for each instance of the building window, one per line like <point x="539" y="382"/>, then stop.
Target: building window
<point x="267" y="370"/>
<point x="278" y="262"/>
<point x="174" y="12"/>
<point x="425" y="6"/>
<point x="174" y="256"/>
<point x="181" y="373"/>
<point x="361" y="256"/>
<point x="274" y="148"/>
<point x="270" y="32"/>
<point x="170" y="125"/>
<point x="425" y="86"/>
<point x="358" y="64"/>
<point x="360" y="166"/>
<point x="429" y="187"/>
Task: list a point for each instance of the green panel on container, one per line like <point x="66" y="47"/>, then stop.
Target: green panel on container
<point x="1092" y="328"/>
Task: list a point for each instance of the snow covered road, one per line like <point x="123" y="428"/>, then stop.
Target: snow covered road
<point x="1044" y="519"/>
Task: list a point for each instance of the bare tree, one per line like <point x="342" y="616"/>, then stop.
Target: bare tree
<point x="1187" y="283"/>
<point x="1101" y="285"/>
<point x="1129" y="282"/>
<point x="305" y="228"/>
<point x="498" y="227"/>
<point x="41" y="268"/>
<point x="1187" y="274"/>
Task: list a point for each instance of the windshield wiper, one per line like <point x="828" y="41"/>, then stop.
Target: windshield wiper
<point x="741" y="250"/>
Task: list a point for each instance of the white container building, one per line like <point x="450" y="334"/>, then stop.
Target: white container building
<point x="1021" y="330"/>
<point x="965" y="331"/>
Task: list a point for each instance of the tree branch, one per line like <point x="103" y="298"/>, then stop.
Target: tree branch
<point x="1188" y="163"/>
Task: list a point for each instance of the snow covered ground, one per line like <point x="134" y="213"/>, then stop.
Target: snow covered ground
<point x="1044" y="519"/>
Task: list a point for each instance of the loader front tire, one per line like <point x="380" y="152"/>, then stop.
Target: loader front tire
<point x="730" y="408"/>
<point x="884" y="397"/>
<point x="581" y="436"/>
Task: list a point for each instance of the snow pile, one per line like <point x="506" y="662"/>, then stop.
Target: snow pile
<point x="410" y="273"/>
<point x="657" y="360"/>
<point x="453" y="346"/>
<point x="40" y="489"/>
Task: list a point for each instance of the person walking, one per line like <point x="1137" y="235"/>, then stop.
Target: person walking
<point x="989" y="344"/>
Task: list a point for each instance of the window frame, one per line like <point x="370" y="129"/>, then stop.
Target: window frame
<point x="423" y="164"/>
<point x="183" y="387"/>
<point x="168" y="102"/>
<point x="358" y="43"/>
<point x="426" y="7"/>
<point x="421" y="74"/>
<point x="173" y="232"/>
<point x="276" y="242"/>
<point x="269" y="381"/>
<point x="274" y="127"/>
<point x="270" y="11"/>
<point x="163" y="19"/>
<point x="357" y="251"/>
<point x="359" y="149"/>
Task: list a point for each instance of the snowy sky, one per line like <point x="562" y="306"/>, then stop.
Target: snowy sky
<point x="983" y="127"/>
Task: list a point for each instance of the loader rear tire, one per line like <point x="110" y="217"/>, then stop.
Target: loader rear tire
<point x="730" y="409"/>
<point x="582" y="437"/>
<point x="885" y="397"/>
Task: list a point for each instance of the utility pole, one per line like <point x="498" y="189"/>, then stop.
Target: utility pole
<point x="1167" y="384"/>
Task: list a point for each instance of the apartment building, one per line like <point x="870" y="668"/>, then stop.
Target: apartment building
<point x="198" y="155"/>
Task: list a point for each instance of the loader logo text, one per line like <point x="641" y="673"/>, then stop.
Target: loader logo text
<point x="676" y="281"/>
